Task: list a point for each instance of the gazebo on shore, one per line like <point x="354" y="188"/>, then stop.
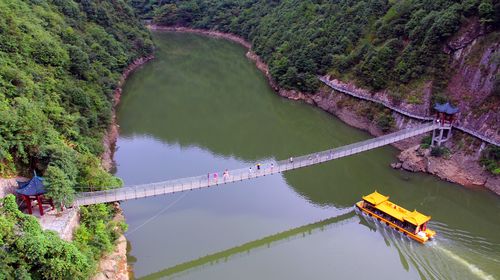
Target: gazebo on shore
<point x="445" y="116"/>
<point x="33" y="190"/>
<point x="445" y="113"/>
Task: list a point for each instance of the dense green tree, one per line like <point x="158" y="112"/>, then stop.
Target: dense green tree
<point x="28" y="252"/>
<point x="59" y="186"/>
<point x="60" y="61"/>
<point x="382" y="42"/>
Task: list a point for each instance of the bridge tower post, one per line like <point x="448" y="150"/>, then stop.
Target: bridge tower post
<point x="445" y="116"/>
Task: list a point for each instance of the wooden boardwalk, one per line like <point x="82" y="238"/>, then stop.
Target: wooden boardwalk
<point x="199" y="182"/>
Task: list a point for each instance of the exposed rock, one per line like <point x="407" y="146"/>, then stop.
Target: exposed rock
<point x="471" y="87"/>
<point x="473" y="50"/>
<point x="8" y="185"/>
<point x="471" y="30"/>
<point x="384" y="96"/>
<point x="412" y="160"/>
<point x="460" y="168"/>
<point x="493" y="183"/>
<point x="396" y="165"/>
<point x="114" y="265"/>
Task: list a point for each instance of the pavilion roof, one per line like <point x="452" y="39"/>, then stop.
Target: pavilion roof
<point x="32" y="187"/>
<point x="446" y="108"/>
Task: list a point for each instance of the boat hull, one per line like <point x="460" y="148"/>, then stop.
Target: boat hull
<point x="381" y="219"/>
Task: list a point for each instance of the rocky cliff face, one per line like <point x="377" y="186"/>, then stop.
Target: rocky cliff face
<point x="475" y="58"/>
<point x="460" y="167"/>
<point x="474" y="62"/>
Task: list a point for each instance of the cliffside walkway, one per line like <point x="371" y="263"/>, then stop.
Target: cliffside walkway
<point x="402" y="112"/>
<point x="204" y="181"/>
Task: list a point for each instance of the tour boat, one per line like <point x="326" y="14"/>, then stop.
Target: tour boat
<point x="412" y="224"/>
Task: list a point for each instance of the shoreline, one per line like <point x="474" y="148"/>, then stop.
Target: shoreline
<point x="111" y="136"/>
<point x="462" y="168"/>
<point x="114" y="265"/>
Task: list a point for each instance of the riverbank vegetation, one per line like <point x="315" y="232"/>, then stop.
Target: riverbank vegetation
<point x="490" y="159"/>
<point x="28" y="252"/>
<point x="60" y="61"/>
<point x="378" y="44"/>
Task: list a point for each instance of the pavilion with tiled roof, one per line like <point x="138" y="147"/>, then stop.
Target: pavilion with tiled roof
<point x="33" y="190"/>
<point x="445" y="113"/>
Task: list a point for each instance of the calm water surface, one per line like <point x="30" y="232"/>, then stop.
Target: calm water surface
<point x="202" y="107"/>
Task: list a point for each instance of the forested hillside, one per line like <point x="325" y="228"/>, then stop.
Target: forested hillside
<point x="377" y="43"/>
<point x="60" y="61"/>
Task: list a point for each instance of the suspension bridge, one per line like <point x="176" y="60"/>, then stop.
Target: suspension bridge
<point x="230" y="176"/>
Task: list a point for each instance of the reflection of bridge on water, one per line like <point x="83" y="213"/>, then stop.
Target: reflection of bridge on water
<point x="199" y="182"/>
<point x="252" y="245"/>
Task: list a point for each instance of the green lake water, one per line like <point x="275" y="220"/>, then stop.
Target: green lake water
<point x="201" y="107"/>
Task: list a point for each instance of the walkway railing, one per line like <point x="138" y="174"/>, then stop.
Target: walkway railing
<point x="402" y="112"/>
<point x="386" y="104"/>
<point x="204" y="181"/>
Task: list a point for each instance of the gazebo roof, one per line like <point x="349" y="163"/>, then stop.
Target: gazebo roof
<point x="446" y="108"/>
<point x="32" y="187"/>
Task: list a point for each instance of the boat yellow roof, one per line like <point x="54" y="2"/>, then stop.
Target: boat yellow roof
<point x="375" y="198"/>
<point x="382" y="203"/>
<point x="417" y="218"/>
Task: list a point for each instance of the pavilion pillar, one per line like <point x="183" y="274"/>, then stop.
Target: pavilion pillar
<point x="40" y="206"/>
<point x="27" y="199"/>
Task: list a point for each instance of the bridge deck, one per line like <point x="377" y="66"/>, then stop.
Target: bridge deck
<point x="199" y="182"/>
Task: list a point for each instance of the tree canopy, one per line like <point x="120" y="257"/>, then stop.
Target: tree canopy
<point x="60" y="61"/>
<point x="28" y="252"/>
<point x="377" y="43"/>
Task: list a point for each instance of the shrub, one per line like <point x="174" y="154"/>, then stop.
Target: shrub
<point x="440" y="151"/>
<point x="385" y="120"/>
<point x="490" y="159"/>
<point x="29" y="252"/>
<point x="59" y="186"/>
<point x="426" y="142"/>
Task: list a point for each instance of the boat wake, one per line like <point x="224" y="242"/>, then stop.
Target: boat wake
<point x="432" y="260"/>
<point x="472" y="268"/>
